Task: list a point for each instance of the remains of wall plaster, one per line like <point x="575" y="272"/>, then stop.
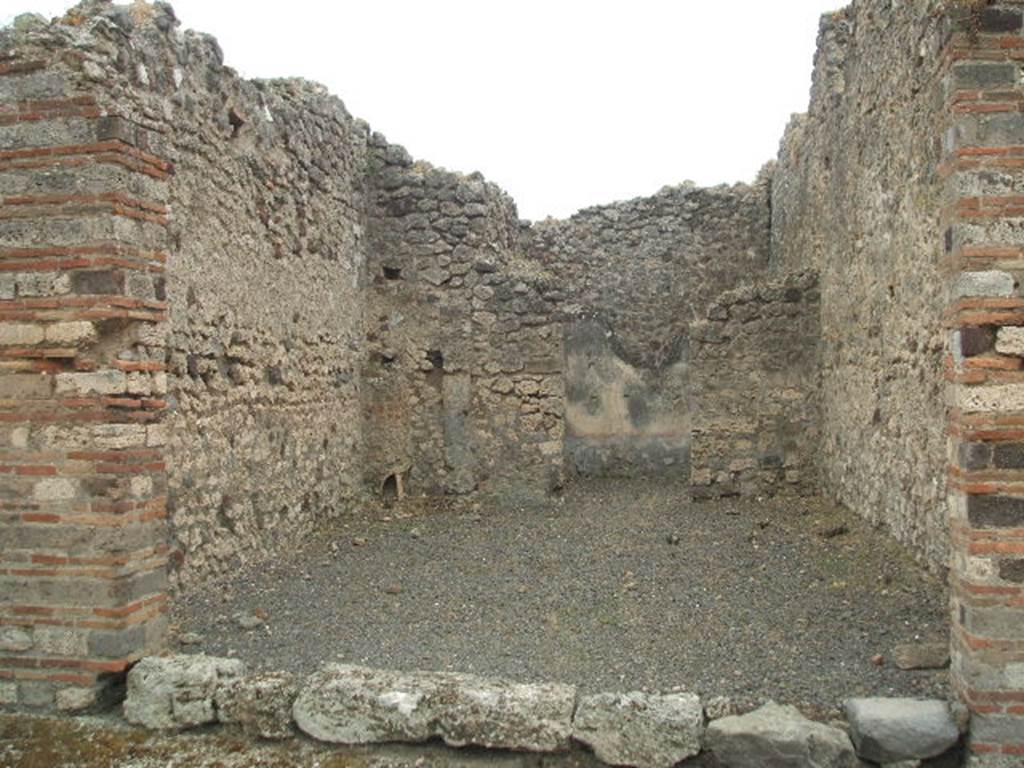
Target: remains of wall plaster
<point x="634" y="276"/>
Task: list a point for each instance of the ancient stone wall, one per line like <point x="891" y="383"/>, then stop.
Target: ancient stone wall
<point x="982" y="146"/>
<point x="634" y="276"/>
<point x="462" y="384"/>
<point x="263" y="285"/>
<point x="83" y="248"/>
<point x="266" y="311"/>
<point x="229" y="311"/>
<point x="856" y="195"/>
<point x="754" y="404"/>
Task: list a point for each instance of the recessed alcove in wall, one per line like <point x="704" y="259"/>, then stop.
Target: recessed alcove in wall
<point x="621" y="419"/>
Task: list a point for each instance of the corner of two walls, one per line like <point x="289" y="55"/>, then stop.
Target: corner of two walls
<point x="756" y="366"/>
<point x="462" y="377"/>
<point x="633" y="278"/>
<point x="856" y="196"/>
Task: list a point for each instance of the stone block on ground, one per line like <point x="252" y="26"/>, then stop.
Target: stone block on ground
<point x="503" y="715"/>
<point x="890" y="730"/>
<point x="777" y="736"/>
<point x="345" y="704"/>
<point x="171" y="692"/>
<point x="641" y="730"/>
<point x="921" y="656"/>
<point x="260" y="704"/>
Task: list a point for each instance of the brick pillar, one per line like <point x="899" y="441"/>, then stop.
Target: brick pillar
<point x="83" y="550"/>
<point x="983" y="159"/>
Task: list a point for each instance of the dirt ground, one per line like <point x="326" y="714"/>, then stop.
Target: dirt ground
<point x="615" y="586"/>
<point x="106" y="742"/>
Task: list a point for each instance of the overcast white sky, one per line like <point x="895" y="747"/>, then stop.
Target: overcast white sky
<point x="564" y="103"/>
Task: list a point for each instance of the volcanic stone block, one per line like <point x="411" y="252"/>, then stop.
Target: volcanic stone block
<point x="355" y="705"/>
<point x="175" y="692"/>
<point x="261" y="704"/>
<point x="890" y="730"/>
<point x="776" y="736"/>
<point x="638" y="729"/>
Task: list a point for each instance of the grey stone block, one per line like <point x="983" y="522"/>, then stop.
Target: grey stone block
<point x="1012" y="570"/>
<point x="997" y="729"/>
<point x="173" y="692"/>
<point x="890" y="730"/>
<point x="15" y="639"/>
<point x="355" y="705"/>
<point x="982" y="75"/>
<point x="777" y="736"/>
<point x="641" y="730"/>
<point x="995" y="622"/>
<point x="991" y="511"/>
<point x="261" y="704"/>
<point x="8" y="694"/>
<point x="988" y="283"/>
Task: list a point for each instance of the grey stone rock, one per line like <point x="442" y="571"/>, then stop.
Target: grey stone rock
<point x="173" y="692"/>
<point x="355" y="705"/>
<point x="499" y="714"/>
<point x="248" y="621"/>
<point x="76" y="699"/>
<point x="8" y="693"/>
<point x="260" y="704"/>
<point x="890" y="730"/>
<point x="987" y="283"/>
<point x="14" y="639"/>
<point x="777" y="736"/>
<point x="921" y="655"/>
<point x="641" y="730"/>
<point x="27" y="22"/>
<point x="719" y="706"/>
<point x="1010" y="340"/>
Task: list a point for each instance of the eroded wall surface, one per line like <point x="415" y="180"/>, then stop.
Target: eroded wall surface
<point x="263" y="285"/>
<point x="856" y="195"/>
<point x="754" y="402"/>
<point x="462" y="389"/>
<point x="634" y="276"/>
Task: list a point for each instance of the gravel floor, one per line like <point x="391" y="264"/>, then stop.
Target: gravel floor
<point x="616" y="586"/>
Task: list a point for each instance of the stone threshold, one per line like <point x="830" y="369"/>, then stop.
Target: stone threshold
<point x="357" y="706"/>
